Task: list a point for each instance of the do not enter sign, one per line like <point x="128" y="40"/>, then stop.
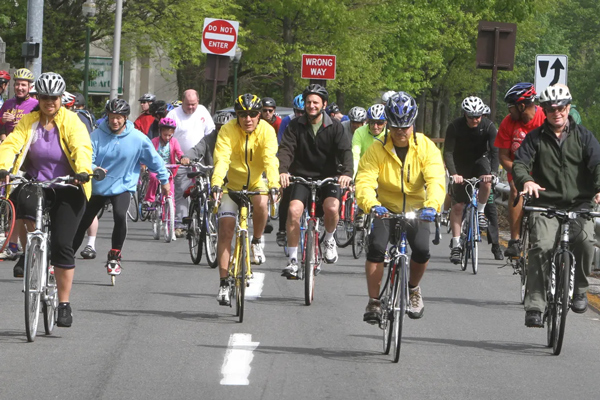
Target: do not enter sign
<point x="219" y="36"/>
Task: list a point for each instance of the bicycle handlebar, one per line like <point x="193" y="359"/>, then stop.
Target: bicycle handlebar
<point x="310" y="182"/>
<point x="551" y="212"/>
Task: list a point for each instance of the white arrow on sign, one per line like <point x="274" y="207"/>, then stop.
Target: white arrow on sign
<point x="549" y="70"/>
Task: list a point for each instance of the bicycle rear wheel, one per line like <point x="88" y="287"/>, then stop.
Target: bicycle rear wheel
<point x="310" y="260"/>
<point x="34" y="259"/>
<point x="358" y="243"/>
<point x="210" y="238"/>
<point x="169" y="218"/>
<point x="49" y="310"/>
<point x="240" y="279"/>
<point x="133" y="211"/>
<point x="194" y="235"/>
<point x="561" y="301"/>
<point x="7" y="221"/>
<point x="156" y="220"/>
<point x="474" y="245"/>
<point x="400" y="305"/>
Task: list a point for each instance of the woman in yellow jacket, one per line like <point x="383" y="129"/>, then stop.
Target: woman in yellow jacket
<point x="404" y="173"/>
<point x="246" y="147"/>
<point x="48" y="143"/>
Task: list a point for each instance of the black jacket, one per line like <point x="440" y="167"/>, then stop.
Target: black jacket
<point x="463" y="145"/>
<point x="325" y="155"/>
<point x="570" y="172"/>
<point x="204" y="150"/>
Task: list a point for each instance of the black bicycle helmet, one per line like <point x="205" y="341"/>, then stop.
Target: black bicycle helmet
<point x="148" y="97"/>
<point x="158" y="107"/>
<point x="118" y="106"/>
<point x="248" y="102"/>
<point x="79" y="99"/>
<point x="268" y="102"/>
<point x="316" y="89"/>
<point x="333" y="109"/>
<point x="523" y="92"/>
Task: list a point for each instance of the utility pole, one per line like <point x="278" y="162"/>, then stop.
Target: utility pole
<point x="32" y="47"/>
<point x="114" y="77"/>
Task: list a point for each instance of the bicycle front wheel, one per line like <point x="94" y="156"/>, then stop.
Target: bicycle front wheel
<point x="169" y="218"/>
<point x="474" y="244"/>
<point x="561" y="301"/>
<point x="194" y="235"/>
<point x="310" y="260"/>
<point x="465" y="241"/>
<point x="387" y="307"/>
<point x="523" y="263"/>
<point x="34" y="261"/>
<point x="210" y="238"/>
<point x="133" y="211"/>
<point x="400" y="305"/>
<point x="7" y="221"/>
<point x="240" y="279"/>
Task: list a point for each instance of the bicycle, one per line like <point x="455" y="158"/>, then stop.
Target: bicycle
<point x="519" y="263"/>
<point x="202" y="223"/>
<point x="162" y="213"/>
<point x="470" y="234"/>
<point x="7" y="218"/>
<point x="141" y="190"/>
<point x="239" y="265"/>
<point x="561" y="280"/>
<point x="394" y="295"/>
<point x="360" y="240"/>
<point x="133" y="209"/>
<point x="345" y="229"/>
<point x="39" y="282"/>
<point x="311" y="249"/>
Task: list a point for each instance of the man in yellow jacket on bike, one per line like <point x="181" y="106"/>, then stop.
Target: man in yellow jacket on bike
<point x="246" y="147"/>
<point x="403" y="173"/>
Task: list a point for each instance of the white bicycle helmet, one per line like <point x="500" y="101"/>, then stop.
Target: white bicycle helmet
<point x="50" y="84"/>
<point x="487" y="110"/>
<point x="386" y="96"/>
<point x="222" y="118"/>
<point x="68" y="99"/>
<point x="376" y="112"/>
<point x="473" y="106"/>
<point x="357" y="114"/>
<point x="558" y="95"/>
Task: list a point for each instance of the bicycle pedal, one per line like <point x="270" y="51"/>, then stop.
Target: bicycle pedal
<point x="186" y="220"/>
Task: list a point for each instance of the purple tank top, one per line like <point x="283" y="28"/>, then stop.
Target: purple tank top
<point x="46" y="159"/>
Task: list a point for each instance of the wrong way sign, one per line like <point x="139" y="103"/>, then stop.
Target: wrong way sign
<point x="550" y="69"/>
<point x="318" y="66"/>
<point x="219" y="36"/>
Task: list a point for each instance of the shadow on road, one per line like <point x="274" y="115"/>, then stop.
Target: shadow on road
<point x="477" y="303"/>
<point x="524" y="349"/>
<point x="181" y="315"/>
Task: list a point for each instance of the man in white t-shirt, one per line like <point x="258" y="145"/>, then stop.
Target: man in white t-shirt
<point x="193" y="123"/>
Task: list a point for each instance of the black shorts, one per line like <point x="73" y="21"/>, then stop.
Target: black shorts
<point x="302" y="192"/>
<point x="417" y="234"/>
<point x="481" y="166"/>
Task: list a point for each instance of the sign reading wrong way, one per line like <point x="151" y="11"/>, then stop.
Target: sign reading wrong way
<point x="550" y="69"/>
<point x="318" y="66"/>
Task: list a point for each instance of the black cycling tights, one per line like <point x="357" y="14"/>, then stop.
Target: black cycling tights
<point x="120" y="203"/>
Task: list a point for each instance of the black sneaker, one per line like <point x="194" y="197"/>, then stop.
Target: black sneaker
<point x="533" y="319"/>
<point x="513" y="249"/>
<point x="455" y="254"/>
<point x="580" y="303"/>
<point x="88" y="253"/>
<point x="497" y="251"/>
<point x="65" y="315"/>
<point x="281" y="238"/>
<point x="19" y="269"/>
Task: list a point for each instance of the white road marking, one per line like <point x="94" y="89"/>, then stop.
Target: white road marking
<point x="256" y="286"/>
<point x="236" y="366"/>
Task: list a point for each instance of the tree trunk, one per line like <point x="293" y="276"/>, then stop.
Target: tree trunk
<point x="422" y="104"/>
<point x="340" y="98"/>
<point x="435" y="118"/>
<point x="444" y="110"/>
<point x="288" y="70"/>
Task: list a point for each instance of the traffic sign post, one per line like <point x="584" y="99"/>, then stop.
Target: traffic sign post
<point x="550" y="69"/>
<point x="318" y="67"/>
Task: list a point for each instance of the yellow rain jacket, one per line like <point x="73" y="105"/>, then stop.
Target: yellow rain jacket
<point x="384" y="180"/>
<point x="243" y="157"/>
<point x="74" y="141"/>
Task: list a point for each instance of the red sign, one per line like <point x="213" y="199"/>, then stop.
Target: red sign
<point x="318" y="66"/>
<point x="219" y="36"/>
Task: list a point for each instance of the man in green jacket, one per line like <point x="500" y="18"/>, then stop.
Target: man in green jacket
<point x="558" y="164"/>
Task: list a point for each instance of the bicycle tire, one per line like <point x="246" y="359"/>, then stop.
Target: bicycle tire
<point x="210" y="238"/>
<point x="169" y="220"/>
<point x="49" y="310"/>
<point x="309" y="262"/>
<point x="7" y="220"/>
<point x="562" y="302"/>
<point x="523" y="263"/>
<point x="240" y="279"/>
<point x="474" y="244"/>
<point x="400" y="305"/>
<point x="358" y="243"/>
<point x="33" y="286"/>
<point x="387" y="316"/>
<point x="132" y="210"/>
<point x="156" y="221"/>
<point x="193" y="235"/>
<point x="101" y="211"/>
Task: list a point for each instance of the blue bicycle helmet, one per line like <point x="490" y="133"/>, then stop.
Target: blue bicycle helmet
<point x="376" y="112"/>
<point x="401" y="110"/>
<point x="299" y="103"/>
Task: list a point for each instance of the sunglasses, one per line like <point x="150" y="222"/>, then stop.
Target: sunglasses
<point x="473" y="116"/>
<point x="268" y="110"/>
<point x="246" y="114"/>
<point x="551" y="110"/>
<point x="44" y="97"/>
<point x="376" y="122"/>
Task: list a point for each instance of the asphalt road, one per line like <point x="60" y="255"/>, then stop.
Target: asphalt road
<point x="159" y="333"/>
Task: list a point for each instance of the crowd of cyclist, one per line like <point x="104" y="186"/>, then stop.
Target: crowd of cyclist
<point x="374" y="151"/>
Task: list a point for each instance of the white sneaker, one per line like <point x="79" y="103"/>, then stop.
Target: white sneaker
<point x="330" y="255"/>
<point x="223" y="296"/>
<point x="10" y="255"/>
<point x="257" y="256"/>
<point x="291" y="270"/>
<point x="416" y="306"/>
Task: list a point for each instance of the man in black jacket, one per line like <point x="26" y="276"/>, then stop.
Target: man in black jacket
<point x="469" y="152"/>
<point x="558" y="164"/>
<point x="314" y="146"/>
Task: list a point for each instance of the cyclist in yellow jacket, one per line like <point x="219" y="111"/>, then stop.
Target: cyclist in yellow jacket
<point x="246" y="147"/>
<point x="403" y="173"/>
